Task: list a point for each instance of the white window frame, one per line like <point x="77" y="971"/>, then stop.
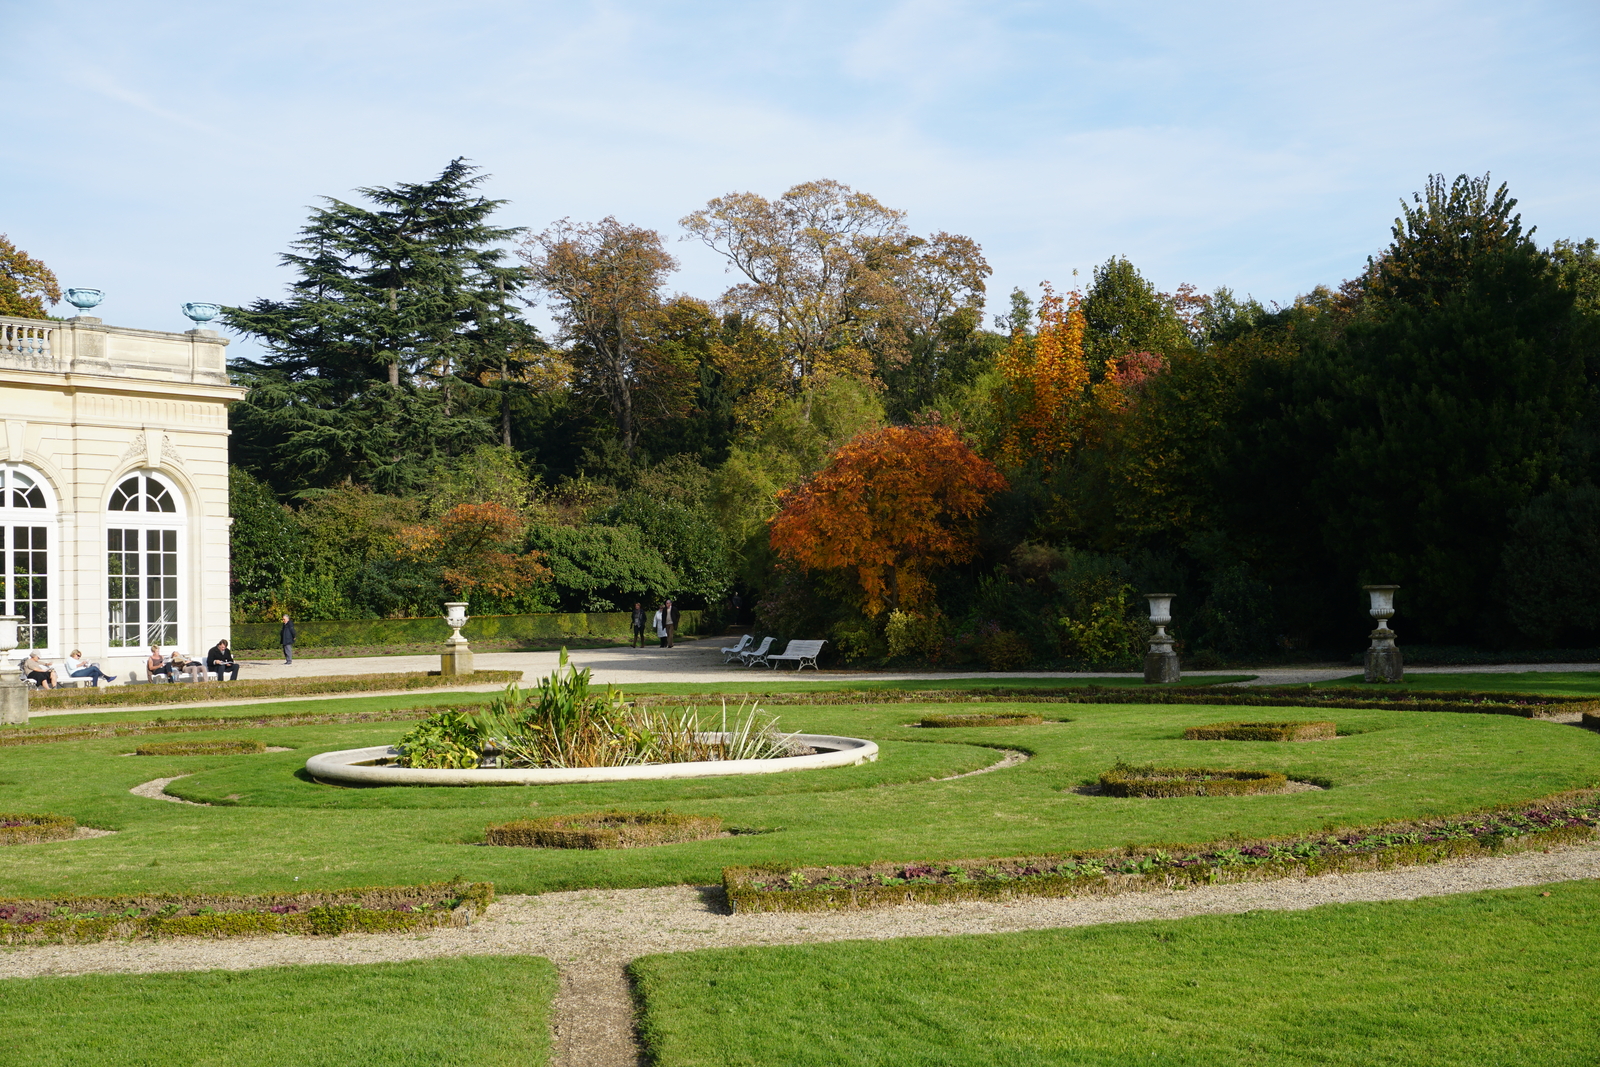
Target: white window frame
<point x="175" y="521"/>
<point x="49" y="518"/>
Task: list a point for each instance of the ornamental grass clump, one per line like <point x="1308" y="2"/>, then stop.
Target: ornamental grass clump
<point x="1262" y="731"/>
<point x="1125" y="780"/>
<point x="565" y="724"/>
<point x="980" y="719"/>
<point x="200" y="748"/>
<point x="605" y="829"/>
<point x="1561" y="820"/>
<point x="26" y="828"/>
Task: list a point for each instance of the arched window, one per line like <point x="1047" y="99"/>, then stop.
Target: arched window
<point x="27" y="535"/>
<point x="143" y="536"/>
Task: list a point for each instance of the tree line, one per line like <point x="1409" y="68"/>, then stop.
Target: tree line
<point x="842" y="438"/>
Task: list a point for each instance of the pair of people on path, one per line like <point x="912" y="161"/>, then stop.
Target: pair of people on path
<point x="664" y="623"/>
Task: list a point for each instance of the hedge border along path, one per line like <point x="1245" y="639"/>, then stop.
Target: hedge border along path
<point x="1568" y="818"/>
<point x="44" y="735"/>
<point x="605" y="829"/>
<point x="1125" y="781"/>
<point x="200" y="748"/>
<point x="1522" y="705"/>
<point x="28" y="828"/>
<point x="1262" y="731"/>
<point x="980" y="719"/>
<point x="288" y="688"/>
<point x="375" y="909"/>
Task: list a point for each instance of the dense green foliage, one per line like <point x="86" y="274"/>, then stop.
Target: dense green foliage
<point x="323" y="1015"/>
<point x="1500" y="977"/>
<point x="1434" y="423"/>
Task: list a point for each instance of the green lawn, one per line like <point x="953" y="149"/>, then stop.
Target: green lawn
<point x="1555" y="683"/>
<point x="476" y="1011"/>
<point x="793" y="682"/>
<point x="270" y="825"/>
<point x="1501" y="978"/>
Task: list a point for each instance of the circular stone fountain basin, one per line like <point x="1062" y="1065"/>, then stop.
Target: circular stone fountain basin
<point x="365" y="766"/>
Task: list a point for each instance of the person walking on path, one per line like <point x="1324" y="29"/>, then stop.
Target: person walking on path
<point x="659" y="623"/>
<point x="669" y="612"/>
<point x="77" y="668"/>
<point x="220" y="660"/>
<point x="638" y="625"/>
<point x="286" y="639"/>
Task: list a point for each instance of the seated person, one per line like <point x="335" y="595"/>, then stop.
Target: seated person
<point x="157" y="666"/>
<point x="39" y="671"/>
<point x="182" y="664"/>
<point x="220" y="659"/>
<point x="78" y="668"/>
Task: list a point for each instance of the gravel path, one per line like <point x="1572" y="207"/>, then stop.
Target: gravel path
<point x="592" y="934"/>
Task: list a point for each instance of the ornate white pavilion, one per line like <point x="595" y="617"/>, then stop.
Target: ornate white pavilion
<point x="114" y="489"/>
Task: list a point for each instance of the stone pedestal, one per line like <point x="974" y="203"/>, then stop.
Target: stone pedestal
<point x="13" y="704"/>
<point x="1384" y="662"/>
<point x="456" y="659"/>
<point x="1161" y="668"/>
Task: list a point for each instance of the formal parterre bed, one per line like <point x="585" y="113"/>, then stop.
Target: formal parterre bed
<point x="374" y="909"/>
<point x="1560" y="820"/>
<point x="26" y="828"/>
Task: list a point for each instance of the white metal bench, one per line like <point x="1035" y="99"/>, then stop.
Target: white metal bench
<point x="750" y="657"/>
<point x="802" y="652"/>
<point x="729" y="654"/>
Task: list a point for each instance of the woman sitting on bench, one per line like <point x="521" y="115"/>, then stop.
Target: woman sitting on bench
<point x="157" y="665"/>
<point x="39" y="671"/>
<point x="77" y="668"/>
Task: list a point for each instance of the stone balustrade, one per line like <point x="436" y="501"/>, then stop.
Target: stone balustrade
<point x="85" y="345"/>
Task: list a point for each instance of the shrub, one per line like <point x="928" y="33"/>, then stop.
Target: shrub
<point x="1262" y="731"/>
<point x="24" y="828"/>
<point x="1127" y="781"/>
<point x="1004" y="650"/>
<point x="374" y="909"/>
<point x="1559" y="820"/>
<point x="199" y="748"/>
<point x="605" y="829"/>
<point x="980" y="719"/>
<point x="912" y="634"/>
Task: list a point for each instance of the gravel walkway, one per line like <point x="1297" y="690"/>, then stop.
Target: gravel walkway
<point x="592" y="934"/>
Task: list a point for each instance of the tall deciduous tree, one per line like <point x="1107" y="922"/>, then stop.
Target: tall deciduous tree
<point x="818" y="263"/>
<point x="394" y="342"/>
<point x="604" y="281"/>
<point x="890" y="506"/>
<point x="25" y="283"/>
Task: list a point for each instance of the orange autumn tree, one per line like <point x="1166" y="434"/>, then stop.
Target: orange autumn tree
<point x="891" y="505"/>
<point x="469" y="543"/>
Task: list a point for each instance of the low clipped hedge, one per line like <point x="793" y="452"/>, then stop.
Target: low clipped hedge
<point x="200" y="748"/>
<point x="1591" y="719"/>
<point x="1126" y="781"/>
<point x="191" y="693"/>
<point x="549" y="626"/>
<point x="605" y="829"/>
<point x="1262" y="731"/>
<point x="26" y="828"/>
<point x="375" y="909"/>
<point x="44" y="735"/>
<point x="1568" y="818"/>
<point x="980" y="719"/>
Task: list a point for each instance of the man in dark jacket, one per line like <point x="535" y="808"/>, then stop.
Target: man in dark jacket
<point x="638" y="624"/>
<point x="220" y="661"/>
<point x="286" y="639"/>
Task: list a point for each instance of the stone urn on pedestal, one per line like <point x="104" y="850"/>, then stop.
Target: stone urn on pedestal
<point x="1160" y="663"/>
<point x="13" y="690"/>
<point x="1384" y="663"/>
<point x="457" y="657"/>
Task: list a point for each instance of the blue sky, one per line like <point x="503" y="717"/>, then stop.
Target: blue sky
<point x="168" y="152"/>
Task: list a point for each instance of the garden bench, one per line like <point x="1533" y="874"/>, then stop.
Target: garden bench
<point x="728" y="654"/>
<point x="802" y="652"/>
<point x="750" y="657"/>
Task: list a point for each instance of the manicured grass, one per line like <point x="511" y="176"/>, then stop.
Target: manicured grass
<point x="185" y="693"/>
<point x="342" y="705"/>
<point x="475" y="1011"/>
<point x="1553" y="683"/>
<point x="765" y="682"/>
<point x="270" y="824"/>
<point x="1486" y="978"/>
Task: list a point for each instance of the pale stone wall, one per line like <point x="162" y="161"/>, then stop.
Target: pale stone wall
<point x="85" y="405"/>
